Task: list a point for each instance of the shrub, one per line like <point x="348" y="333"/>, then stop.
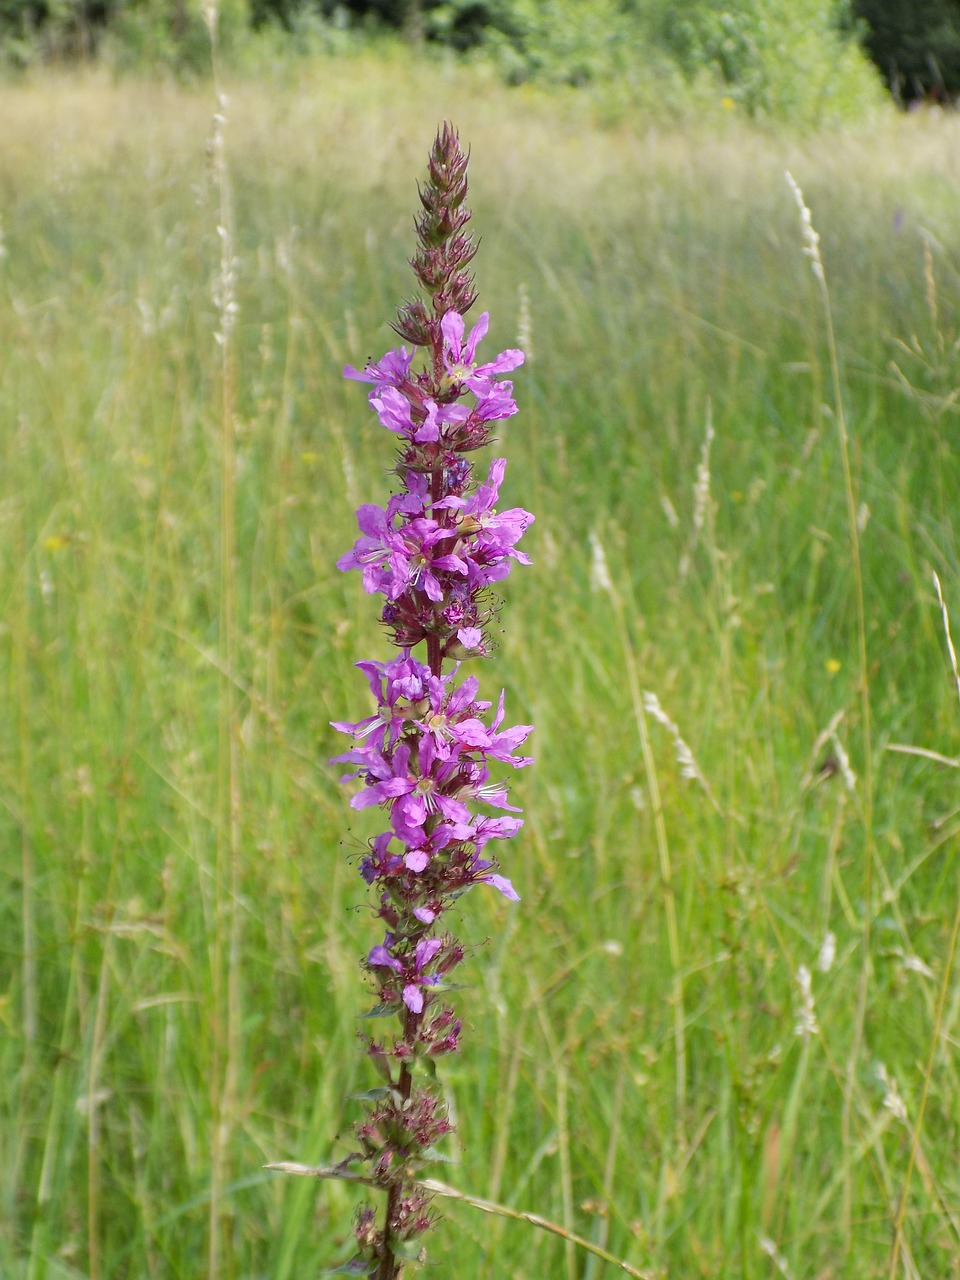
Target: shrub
<point x="790" y="59"/>
<point x="915" y="44"/>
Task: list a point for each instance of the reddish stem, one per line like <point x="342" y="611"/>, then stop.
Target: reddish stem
<point x="390" y="1268"/>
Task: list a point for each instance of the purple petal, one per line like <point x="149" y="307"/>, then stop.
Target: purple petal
<point x="452" y="328"/>
<point x="380" y="958"/>
<point x="454" y="811"/>
<point x="412" y="998"/>
<point x="504" y="885"/>
<point x="505" y="361"/>
<point x="473" y="733"/>
<point x="431" y="587"/>
<point x="494" y="829"/>
<point x="477" y="335"/>
<point x="425" y="951"/>
<point x="372" y="520"/>
<point x="453" y="564"/>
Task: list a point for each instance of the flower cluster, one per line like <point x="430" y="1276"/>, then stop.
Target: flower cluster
<point x="435" y="547"/>
<point x="429" y="754"/>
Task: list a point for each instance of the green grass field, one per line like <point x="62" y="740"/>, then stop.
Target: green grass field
<point x="180" y="916"/>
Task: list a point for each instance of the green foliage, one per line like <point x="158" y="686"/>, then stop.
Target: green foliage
<point x="154" y="35"/>
<point x="561" y="40"/>
<point x="158" y="32"/>
<point x="50" y="29"/>
<point x="780" y="59"/>
<point x="915" y="44"/>
<point x="783" y="59"/>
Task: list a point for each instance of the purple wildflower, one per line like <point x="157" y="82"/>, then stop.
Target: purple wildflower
<point x="458" y="355"/>
<point x="392" y="371"/>
<point x="398" y="687"/>
<point x="425" y="753"/>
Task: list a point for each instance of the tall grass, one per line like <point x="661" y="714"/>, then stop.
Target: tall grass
<point x="632" y="1071"/>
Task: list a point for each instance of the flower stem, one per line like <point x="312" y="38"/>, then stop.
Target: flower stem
<point x="434" y="657"/>
<point x="390" y="1268"/>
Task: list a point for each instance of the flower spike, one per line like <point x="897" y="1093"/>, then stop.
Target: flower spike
<point x="427" y="755"/>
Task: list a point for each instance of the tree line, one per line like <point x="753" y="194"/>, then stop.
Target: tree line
<point x="743" y="44"/>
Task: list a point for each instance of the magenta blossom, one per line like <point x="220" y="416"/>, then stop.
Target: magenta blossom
<point x="392" y="371"/>
<point x="420" y="423"/>
<point x="492" y="529"/>
<point x="398" y="686"/>
<point x="395" y="558"/>
<point x="414" y="974"/>
<point x="458" y="356"/>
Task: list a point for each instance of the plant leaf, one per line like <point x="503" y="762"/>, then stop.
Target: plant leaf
<point x="355" y="1267"/>
<point x="434" y="1156"/>
<point x="408" y="1250"/>
<point x="381" y="1011"/>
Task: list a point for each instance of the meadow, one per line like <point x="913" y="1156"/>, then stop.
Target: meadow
<point x="181" y="918"/>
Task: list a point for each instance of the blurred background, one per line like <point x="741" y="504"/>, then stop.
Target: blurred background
<point x="780" y="58"/>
